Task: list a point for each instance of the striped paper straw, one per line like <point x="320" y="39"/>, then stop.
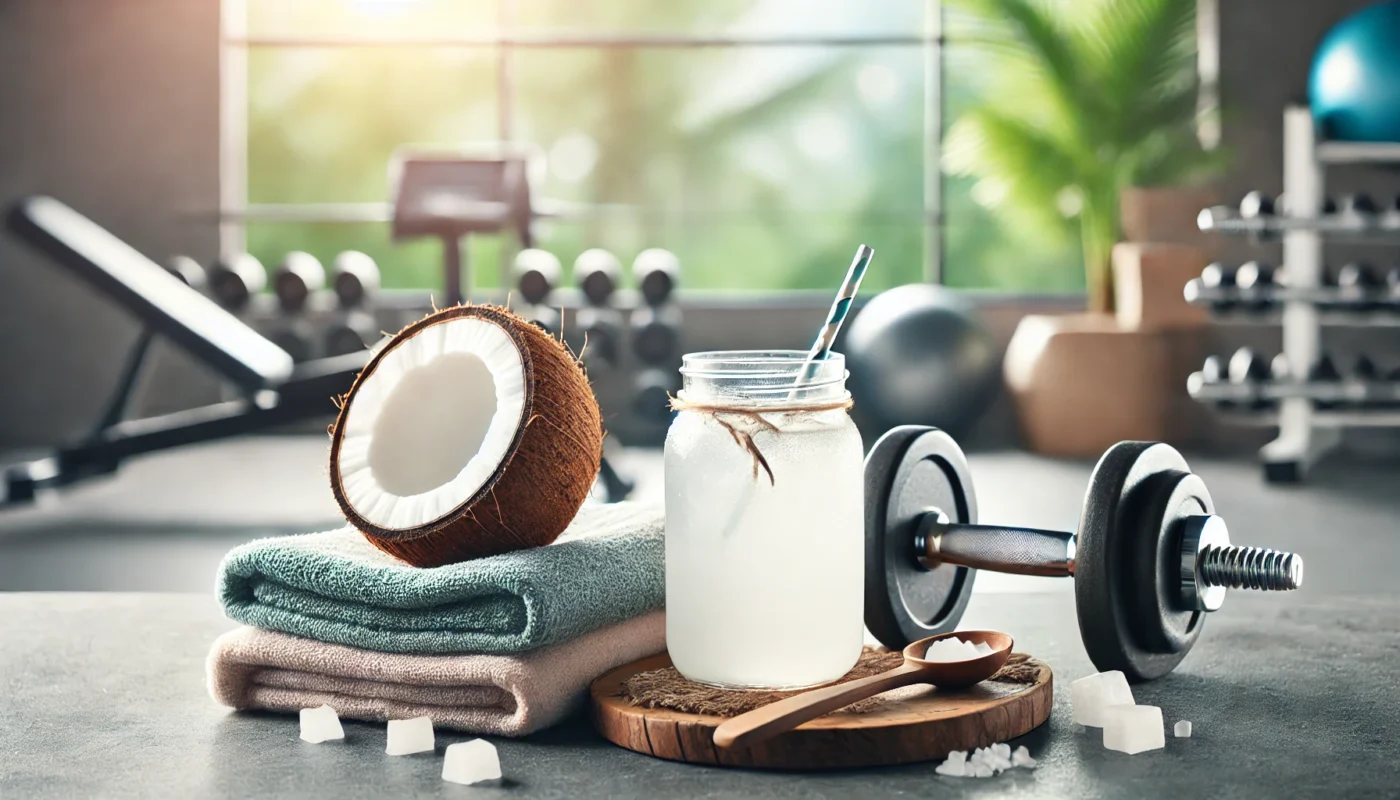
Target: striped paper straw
<point x="840" y="309"/>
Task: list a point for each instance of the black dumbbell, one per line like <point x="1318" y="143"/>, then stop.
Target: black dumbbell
<point x="651" y="401"/>
<point x="297" y="337"/>
<point x="1255" y="205"/>
<point x="1249" y="369"/>
<point x="1357" y="285"/>
<point x="1150" y="558"/>
<point x="1213" y="374"/>
<point x="355" y="278"/>
<point x="1219" y="280"/>
<point x="1255" y="280"/>
<point x="233" y="280"/>
<point x="1392" y="286"/>
<point x="296" y="279"/>
<point x="597" y="273"/>
<point x="657" y="273"/>
<point x="598" y="333"/>
<point x="1324" y="372"/>
<point x="1359" y="204"/>
<point x="189" y="272"/>
<point x="656" y="334"/>
<point x="536" y="273"/>
<point x="357" y="331"/>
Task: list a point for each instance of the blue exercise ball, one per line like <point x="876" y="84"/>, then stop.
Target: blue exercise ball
<point x="918" y="355"/>
<point x="1354" y="86"/>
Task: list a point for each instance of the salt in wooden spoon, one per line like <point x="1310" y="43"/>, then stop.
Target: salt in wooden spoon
<point x="784" y="715"/>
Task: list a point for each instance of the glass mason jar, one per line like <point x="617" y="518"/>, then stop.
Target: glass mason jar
<point x="764" y="522"/>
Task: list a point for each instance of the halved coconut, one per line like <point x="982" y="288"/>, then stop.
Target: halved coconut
<point x="470" y="433"/>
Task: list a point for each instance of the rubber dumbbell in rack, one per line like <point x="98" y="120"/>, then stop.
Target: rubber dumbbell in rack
<point x="597" y="332"/>
<point x="1248" y="371"/>
<point x="235" y="279"/>
<point x="1150" y="559"/>
<point x="355" y="280"/>
<point x="297" y="278"/>
<point x="1358" y="287"/>
<point x="1254" y="281"/>
<point x="189" y="272"/>
<point x="656" y="334"/>
<point x="536" y="273"/>
<point x="1218" y="281"/>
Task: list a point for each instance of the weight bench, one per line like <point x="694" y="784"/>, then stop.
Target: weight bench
<point x="275" y="391"/>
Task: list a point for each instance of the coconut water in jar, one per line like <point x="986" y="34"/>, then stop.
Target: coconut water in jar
<point x="764" y="522"/>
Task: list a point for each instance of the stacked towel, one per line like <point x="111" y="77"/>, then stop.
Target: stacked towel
<point x="503" y="645"/>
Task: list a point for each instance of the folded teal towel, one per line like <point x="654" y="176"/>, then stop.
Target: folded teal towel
<point x="336" y="587"/>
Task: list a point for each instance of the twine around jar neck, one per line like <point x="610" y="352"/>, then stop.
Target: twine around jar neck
<point x="744" y="439"/>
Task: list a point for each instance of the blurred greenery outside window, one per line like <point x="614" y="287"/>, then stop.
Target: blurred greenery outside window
<point x="760" y="167"/>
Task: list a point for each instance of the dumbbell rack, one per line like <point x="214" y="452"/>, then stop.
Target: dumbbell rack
<point x="1309" y="424"/>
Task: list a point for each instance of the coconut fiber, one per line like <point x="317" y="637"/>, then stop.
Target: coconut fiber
<point x="665" y="688"/>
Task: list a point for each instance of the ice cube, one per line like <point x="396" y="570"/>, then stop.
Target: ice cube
<point x="471" y="762"/>
<point x="1182" y="729"/>
<point x="1133" y="729"/>
<point x="320" y="725"/>
<point x="410" y="736"/>
<point x="1092" y="694"/>
<point x="1022" y="758"/>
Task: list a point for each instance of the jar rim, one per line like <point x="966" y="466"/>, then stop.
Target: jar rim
<point x="779" y="377"/>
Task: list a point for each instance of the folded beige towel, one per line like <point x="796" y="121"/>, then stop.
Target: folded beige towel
<point x="504" y="695"/>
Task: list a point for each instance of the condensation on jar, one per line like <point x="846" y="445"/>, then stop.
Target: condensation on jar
<point x="764" y="522"/>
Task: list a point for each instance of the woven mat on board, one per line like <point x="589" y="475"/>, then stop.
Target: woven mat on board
<point x="665" y="688"/>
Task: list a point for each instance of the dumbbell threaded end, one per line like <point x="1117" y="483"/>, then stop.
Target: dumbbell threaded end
<point x="1251" y="568"/>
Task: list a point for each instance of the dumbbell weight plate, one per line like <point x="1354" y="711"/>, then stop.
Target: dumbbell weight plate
<point x="910" y="470"/>
<point x="1123" y="552"/>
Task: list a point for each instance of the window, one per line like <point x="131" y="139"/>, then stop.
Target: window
<point x="760" y="140"/>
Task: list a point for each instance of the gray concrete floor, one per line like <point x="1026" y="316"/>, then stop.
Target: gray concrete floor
<point x="164" y="521"/>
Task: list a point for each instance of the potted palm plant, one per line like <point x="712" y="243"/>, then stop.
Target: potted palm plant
<point x="1088" y="101"/>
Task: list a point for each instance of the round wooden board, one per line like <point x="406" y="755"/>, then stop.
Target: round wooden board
<point x="913" y="724"/>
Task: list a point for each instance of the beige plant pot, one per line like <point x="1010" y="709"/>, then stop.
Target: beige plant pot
<point x="1082" y="383"/>
<point x="1165" y="214"/>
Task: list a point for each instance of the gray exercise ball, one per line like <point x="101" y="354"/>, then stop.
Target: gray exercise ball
<point x="918" y="355"/>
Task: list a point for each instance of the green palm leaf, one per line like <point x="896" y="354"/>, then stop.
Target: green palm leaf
<point x="1085" y="95"/>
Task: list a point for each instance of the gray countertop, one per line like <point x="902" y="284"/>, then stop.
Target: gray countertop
<point x="1291" y="696"/>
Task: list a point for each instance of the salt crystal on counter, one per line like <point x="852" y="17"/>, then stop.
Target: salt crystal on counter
<point x="407" y="736"/>
<point x="1182" y="729"/>
<point x="1090" y="695"/>
<point x="320" y="724"/>
<point x="1133" y="729"/>
<point x="471" y="762"/>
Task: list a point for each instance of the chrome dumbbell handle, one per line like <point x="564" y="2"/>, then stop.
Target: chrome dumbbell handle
<point x="1018" y="551"/>
<point x="1209" y="563"/>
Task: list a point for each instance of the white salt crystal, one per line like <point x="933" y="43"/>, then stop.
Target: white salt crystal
<point x="1133" y="729"/>
<point x="1003" y="750"/>
<point x="471" y="762"/>
<point x="1022" y="758"/>
<point x="950" y="769"/>
<point x="320" y="725"/>
<point x="1090" y="695"/>
<point x="410" y="736"/>
<point x="1182" y="729"/>
<point x="958" y="757"/>
<point x="983" y="771"/>
<point x="952" y="649"/>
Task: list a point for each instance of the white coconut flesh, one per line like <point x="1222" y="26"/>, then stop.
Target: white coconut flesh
<point x="432" y="423"/>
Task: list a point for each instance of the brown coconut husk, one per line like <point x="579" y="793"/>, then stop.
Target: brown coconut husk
<point x="545" y="476"/>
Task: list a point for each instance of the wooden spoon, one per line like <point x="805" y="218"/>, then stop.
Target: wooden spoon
<point x="784" y="715"/>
